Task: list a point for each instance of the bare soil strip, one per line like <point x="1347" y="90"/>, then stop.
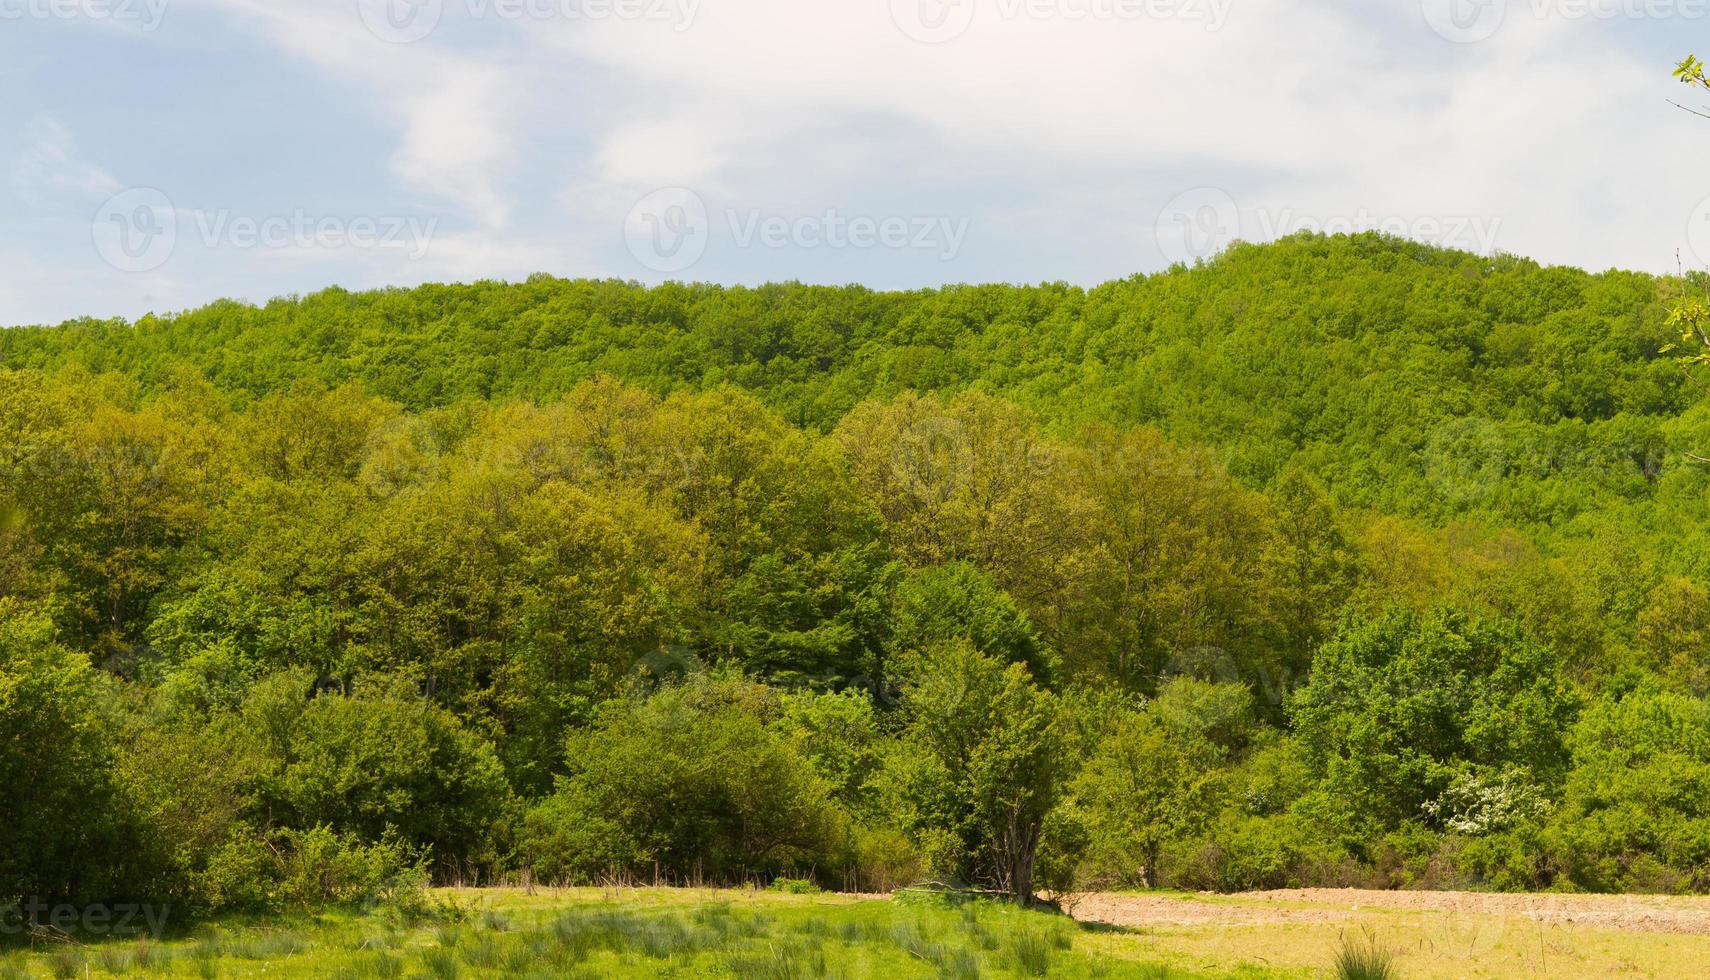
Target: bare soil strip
<point x="1624" y="913"/>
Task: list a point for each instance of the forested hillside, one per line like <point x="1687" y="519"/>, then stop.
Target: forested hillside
<point x="1338" y="560"/>
<point x="1362" y="359"/>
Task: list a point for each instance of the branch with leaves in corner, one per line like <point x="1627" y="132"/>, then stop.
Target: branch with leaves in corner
<point x="1690" y="72"/>
<point x="1691" y="316"/>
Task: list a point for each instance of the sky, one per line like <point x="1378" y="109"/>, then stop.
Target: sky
<point x="156" y="155"/>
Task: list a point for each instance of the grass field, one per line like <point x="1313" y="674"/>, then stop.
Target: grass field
<point x="694" y="933"/>
<point x="634" y="933"/>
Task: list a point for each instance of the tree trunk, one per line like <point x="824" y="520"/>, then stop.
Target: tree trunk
<point x="1019" y="851"/>
<point x="1149" y="870"/>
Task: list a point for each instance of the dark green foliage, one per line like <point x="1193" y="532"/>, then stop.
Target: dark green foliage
<point x="958" y="602"/>
<point x="688" y="783"/>
<point x="1401" y="707"/>
<point x="384" y="760"/>
<point x="66" y="826"/>
<point x="1635" y="811"/>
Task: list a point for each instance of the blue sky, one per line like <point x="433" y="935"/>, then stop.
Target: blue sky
<point x="159" y="154"/>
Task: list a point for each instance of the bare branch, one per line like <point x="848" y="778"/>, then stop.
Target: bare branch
<point x="1695" y="112"/>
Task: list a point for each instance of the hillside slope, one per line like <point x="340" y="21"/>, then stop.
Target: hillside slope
<point x="1410" y="379"/>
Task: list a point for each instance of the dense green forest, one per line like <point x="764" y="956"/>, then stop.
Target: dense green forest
<point x="1341" y="560"/>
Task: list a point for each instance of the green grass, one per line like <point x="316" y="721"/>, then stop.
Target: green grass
<point x="583" y="933"/>
<point x="1364" y="959"/>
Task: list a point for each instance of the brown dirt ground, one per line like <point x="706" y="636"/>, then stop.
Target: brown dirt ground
<point x="1622" y="913"/>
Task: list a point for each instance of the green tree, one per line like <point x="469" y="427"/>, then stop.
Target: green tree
<point x="1399" y="707"/>
<point x="1634" y="812"/>
<point x="1147" y="784"/>
<point x="978" y="768"/>
<point x="64" y="836"/>
<point x="933" y="606"/>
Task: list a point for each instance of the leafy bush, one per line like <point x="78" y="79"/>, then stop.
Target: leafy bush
<point x="1401" y="707"/>
<point x="978" y="768"/>
<point x="691" y="781"/>
<point x="1635" y="813"/>
<point x="385" y="761"/>
<point x="66" y="826"/>
<point x="311" y="869"/>
<point x="794" y="886"/>
<point x="1147" y="784"/>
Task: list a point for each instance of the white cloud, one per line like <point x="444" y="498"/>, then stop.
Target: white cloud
<point x="1310" y="108"/>
<point x="457" y="112"/>
<point x="49" y="168"/>
<point x="1059" y="139"/>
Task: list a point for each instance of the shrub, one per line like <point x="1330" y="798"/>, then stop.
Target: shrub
<point x="1247" y="853"/>
<point x="880" y="859"/>
<point x="1636" y="808"/>
<point x="65" y="827"/>
<point x="319" y="867"/>
<point x="310" y="869"/>
<point x="979" y="766"/>
<point x="794" y="886"/>
<point x="1399" y="707"/>
<point x="1147" y="784"/>
<point x="689" y="782"/>
<point x="387" y="761"/>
